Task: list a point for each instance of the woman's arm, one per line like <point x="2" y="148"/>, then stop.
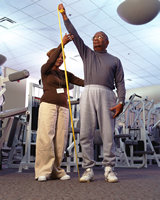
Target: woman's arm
<point x="53" y="57"/>
<point x="51" y="61"/>
<point x="75" y="80"/>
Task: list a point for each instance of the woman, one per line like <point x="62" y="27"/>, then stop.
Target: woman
<point x="53" y="117"/>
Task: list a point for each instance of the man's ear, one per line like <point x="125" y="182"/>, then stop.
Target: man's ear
<point x="107" y="43"/>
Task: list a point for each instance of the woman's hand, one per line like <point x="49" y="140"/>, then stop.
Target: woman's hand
<point x="67" y="38"/>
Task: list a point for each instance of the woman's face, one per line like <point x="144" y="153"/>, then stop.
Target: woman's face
<point x="59" y="60"/>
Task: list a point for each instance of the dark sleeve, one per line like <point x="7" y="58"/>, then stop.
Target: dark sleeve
<point x="79" y="43"/>
<point x="75" y="80"/>
<point x="51" y="61"/>
<point x="119" y="82"/>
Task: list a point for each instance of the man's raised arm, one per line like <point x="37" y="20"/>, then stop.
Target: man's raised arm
<point x="62" y="11"/>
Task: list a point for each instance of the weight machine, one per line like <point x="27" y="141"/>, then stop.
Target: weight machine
<point x="10" y="114"/>
<point x="70" y="156"/>
<point x="153" y="133"/>
<point x="134" y="146"/>
<point x="28" y="160"/>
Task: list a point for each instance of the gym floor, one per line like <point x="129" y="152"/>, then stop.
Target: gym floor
<point x="134" y="184"/>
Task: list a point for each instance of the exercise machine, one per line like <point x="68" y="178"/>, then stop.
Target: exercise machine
<point x="9" y="114"/>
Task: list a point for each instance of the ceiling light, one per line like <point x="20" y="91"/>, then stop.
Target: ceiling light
<point x="7" y="23"/>
<point x="138" y="12"/>
<point x="73" y="59"/>
<point x="128" y="79"/>
<point x="35" y="1"/>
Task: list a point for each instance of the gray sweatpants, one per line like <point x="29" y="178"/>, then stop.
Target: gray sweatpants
<point x="95" y="102"/>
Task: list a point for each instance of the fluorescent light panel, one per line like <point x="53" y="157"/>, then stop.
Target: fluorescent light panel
<point x="7" y="23"/>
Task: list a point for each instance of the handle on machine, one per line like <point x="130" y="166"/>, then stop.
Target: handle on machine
<point x="133" y="95"/>
<point x="18" y="75"/>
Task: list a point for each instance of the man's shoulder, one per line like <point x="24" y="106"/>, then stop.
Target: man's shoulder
<point x="113" y="56"/>
<point x="105" y="53"/>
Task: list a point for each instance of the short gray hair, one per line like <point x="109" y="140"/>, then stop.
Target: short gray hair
<point x="105" y="35"/>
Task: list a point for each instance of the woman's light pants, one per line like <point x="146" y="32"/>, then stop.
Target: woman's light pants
<point x="51" y="140"/>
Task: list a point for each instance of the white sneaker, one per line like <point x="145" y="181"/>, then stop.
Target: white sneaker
<point x="110" y="175"/>
<point x="65" y="177"/>
<point x="87" y="176"/>
<point x="42" y="178"/>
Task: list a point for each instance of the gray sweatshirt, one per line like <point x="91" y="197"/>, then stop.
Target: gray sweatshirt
<point x="100" y="67"/>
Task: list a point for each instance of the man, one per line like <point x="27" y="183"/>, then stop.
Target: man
<point x="98" y="101"/>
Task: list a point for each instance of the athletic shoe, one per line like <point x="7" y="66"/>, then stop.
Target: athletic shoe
<point x="87" y="176"/>
<point x="110" y="175"/>
<point x="65" y="177"/>
<point x="42" y="178"/>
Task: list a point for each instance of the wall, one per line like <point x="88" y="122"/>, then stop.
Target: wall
<point x="153" y="92"/>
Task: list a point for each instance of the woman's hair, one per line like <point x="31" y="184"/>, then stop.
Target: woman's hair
<point x="49" y="53"/>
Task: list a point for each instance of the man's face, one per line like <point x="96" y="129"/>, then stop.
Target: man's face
<point x="100" y="41"/>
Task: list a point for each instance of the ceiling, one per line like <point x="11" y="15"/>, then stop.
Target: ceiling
<point x="37" y="31"/>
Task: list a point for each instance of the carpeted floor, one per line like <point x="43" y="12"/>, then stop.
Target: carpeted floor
<point x="134" y="184"/>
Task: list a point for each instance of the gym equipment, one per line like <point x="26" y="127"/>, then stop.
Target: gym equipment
<point x="123" y="138"/>
<point x="136" y="146"/>
<point x="153" y="133"/>
<point x="9" y="114"/>
<point x="70" y="153"/>
<point x="136" y="110"/>
<point x="15" y="140"/>
<point x="28" y="160"/>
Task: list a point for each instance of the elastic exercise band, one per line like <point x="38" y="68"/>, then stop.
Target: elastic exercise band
<point x="62" y="10"/>
<point x="68" y="94"/>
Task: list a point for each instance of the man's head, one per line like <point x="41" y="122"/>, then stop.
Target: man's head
<point x="100" y="41"/>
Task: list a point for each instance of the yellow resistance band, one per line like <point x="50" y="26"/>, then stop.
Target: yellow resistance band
<point x="68" y="94"/>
